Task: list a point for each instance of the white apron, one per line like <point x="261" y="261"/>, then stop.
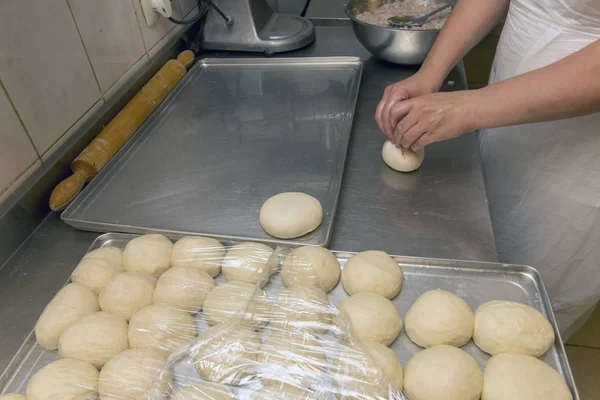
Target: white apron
<point x="543" y="180"/>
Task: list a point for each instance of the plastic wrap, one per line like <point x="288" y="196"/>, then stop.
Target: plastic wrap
<point x="197" y="319"/>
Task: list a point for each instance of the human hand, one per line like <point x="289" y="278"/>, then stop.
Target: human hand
<point x="432" y="118"/>
<point x="417" y="85"/>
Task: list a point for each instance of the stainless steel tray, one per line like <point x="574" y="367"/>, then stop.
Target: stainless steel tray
<point x="476" y="282"/>
<point x="232" y="134"/>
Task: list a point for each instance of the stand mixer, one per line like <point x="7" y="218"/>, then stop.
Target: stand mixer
<point x="253" y="25"/>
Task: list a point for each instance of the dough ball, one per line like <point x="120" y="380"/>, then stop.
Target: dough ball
<point x="439" y="317"/>
<point x="511" y="327"/>
<point x="204" y="391"/>
<point x="150" y="254"/>
<point x="291" y="215"/>
<point x="95" y="339"/>
<point x="372" y="271"/>
<point x="95" y="273"/>
<point x="311" y="266"/>
<point x="183" y="287"/>
<point x="127" y="293"/>
<point x="385" y="359"/>
<point x="112" y="255"/>
<point x="65" y="380"/>
<point x="247" y="261"/>
<point x="70" y="303"/>
<point x="303" y="308"/>
<point x="203" y="253"/>
<point x="161" y="328"/>
<point x="235" y="299"/>
<point x="519" y="377"/>
<point x="373" y="318"/>
<point x="284" y="393"/>
<point x="443" y="372"/>
<point x="227" y="354"/>
<point x="292" y="358"/>
<point x="13" y="396"/>
<point x="401" y="159"/>
<point x="131" y="375"/>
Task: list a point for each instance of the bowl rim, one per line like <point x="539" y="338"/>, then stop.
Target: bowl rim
<point x="387" y="28"/>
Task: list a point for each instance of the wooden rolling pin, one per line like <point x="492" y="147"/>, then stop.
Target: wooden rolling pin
<point x="108" y="142"/>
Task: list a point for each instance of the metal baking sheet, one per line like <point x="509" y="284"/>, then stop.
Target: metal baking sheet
<point x="474" y="281"/>
<point x="233" y="133"/>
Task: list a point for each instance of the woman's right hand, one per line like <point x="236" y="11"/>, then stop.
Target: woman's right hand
<point x="409" y="88"/>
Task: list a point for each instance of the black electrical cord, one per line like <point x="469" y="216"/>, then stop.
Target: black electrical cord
<point x="202" y="10"/>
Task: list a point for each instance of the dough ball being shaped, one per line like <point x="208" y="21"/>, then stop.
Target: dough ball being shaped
<point x="443" y="373"/>
<point x="519" y="377"/>
<point x="112" y="255"/>
<point x="65" y="380"/>
<point x="13" y="396"/>
<point x="227" y="354"/>
<point x="150" y="254"/>
<point x="401" y="159"/>
<point x="184" y="288"/>
<point x="292" y="358"/>
<point x="311" y="266"/>
<point x="511" y="327"/>
<point x="131" y="374"/>
<point x="372" y="271"/>
<point x="247" y="262"/>
<point x="373" y="318"/>
<point x="235" y="299"/>
<point x="302" y="308"/>
<point x="95" y="273"/>
<point x="70" y="303"/>
<point x="127" y="293"/>
<point x="161" y="328"/>
<point x="385" y="359"/>
<point x="203" y="253"/>
<point x="204" y="391"/>
<point x="439" y="317"/>
<point x="290" y="215"/>
<point x="95" y="339"/>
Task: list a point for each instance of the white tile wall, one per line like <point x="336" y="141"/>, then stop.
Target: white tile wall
<point x="59" y="60"/>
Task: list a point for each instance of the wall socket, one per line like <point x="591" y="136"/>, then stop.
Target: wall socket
<point x="153" y="8"/>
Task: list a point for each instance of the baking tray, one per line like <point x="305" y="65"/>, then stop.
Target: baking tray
<point x="232" y="134"/>
<point x="476" y="282"/>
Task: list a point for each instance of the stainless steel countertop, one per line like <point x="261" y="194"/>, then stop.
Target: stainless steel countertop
<point x="439" y="211"/>
<point x="321" y="9"/>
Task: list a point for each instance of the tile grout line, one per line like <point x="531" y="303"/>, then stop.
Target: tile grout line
<point x="139" y="26"/>
<point x="20" y="120"/>
<point x="84" y="48"/>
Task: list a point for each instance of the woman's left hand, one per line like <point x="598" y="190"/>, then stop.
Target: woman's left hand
<point x="432" y="118"/>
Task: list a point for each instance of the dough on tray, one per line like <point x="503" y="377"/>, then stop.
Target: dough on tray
<point x="439" y="317"/>
<point x="235" y="299"/>
<point x="95" y="273"/>
<point x="519" y="377"/>
<point x="95" y="339"/>
<point x="227" y="354"/>
<point x="204" y="391"/>
<point x="401" y="159"/>
<point x="131" y="375"/>
<point x="64" y="379"/>
<point x="127" y="293"/>
<point x="161" y="328"/>
<point x="150" y="254"/>
<point x="443" y="372"/>
<point x="184" y="288"/>
<point x="511" y="327"/>
<point x="110" y="254"/>
<point x="386" y="359"/>
<point x="373" y="318"/>
<point x="13" y="396"/>
<point x="311" y="266"/>
<point x="203" y="253"/>
<point x="249" y="262"/>
<point x="70" y="303"/>
<point x="290" y="215"/>
<point x="302" y="308"/>
<point x="372" y="271"/>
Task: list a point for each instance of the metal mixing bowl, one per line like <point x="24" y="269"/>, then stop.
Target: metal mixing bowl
<point x="400" y="46"/>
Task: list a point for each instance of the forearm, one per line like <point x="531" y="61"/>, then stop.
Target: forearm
<point x="469" y="22"/>
<point x="567" y="88"/>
